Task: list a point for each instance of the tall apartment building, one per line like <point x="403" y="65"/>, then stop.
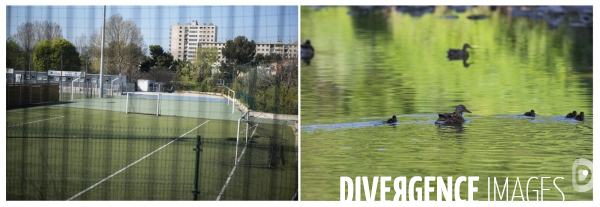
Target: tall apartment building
<point x="185" y="39"/>
<point x="286" y="50"/>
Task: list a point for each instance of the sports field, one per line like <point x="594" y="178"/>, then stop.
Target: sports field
<point x="90" y="149"/>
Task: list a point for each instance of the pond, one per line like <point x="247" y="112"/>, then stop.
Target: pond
<point x="371" y="63"/>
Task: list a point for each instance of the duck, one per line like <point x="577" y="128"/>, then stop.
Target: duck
<point x="453" y="118"/>
<point x="392" y="120"/>
<point x="477" y="17"/>
<point x="306" y="52"/>
<point x="580" y="117"/>
<point x="572" y="115"/>
<point x="531" y="113"/>
<point x="458" y="53"/>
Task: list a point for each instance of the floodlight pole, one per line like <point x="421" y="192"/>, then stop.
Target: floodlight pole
<point x="60" y="79"/>
<point x="102" y="53"/>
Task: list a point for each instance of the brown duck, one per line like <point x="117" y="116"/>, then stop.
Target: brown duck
<point x="453" y="118"/>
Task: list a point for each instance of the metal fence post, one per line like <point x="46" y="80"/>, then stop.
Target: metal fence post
<point x="195" y="191"/>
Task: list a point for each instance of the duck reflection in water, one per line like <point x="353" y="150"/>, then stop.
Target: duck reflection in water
<point x="460" y="54"/>
<point x="458" y="127"/>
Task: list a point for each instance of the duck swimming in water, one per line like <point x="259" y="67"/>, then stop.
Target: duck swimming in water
<point x="531" y="113"/>
<point x="306" y="52"/>
<point x="392" y="120"/>
<point x="580" y="117"/>
<point x="458" y="53"/>
<point x="572" y="115"/>
<point x="453" y="118"/>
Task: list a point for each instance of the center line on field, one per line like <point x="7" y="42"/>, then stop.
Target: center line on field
<point x="128" y="166"/>
<point x="35" y="121"/>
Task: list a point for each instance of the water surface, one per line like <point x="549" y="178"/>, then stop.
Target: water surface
<point x="371" y="65"/>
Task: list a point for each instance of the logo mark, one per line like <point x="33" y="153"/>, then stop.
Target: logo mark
<point x="582" y="174"/>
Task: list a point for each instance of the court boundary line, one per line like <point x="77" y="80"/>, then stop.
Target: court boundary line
<point x="234" y="167"/>
<point x="35" y="121"/>
<point x="133" y="163"/>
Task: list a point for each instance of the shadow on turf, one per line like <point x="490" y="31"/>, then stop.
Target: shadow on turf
<point x="234" y="139"/>
<point x="37" y="105"/>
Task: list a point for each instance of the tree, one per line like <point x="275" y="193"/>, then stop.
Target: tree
<point x="42" y="56"/>
<point x="82" y="44"/>
<point x="51" y="55"/>
<point x="238" y="52"/>
<point x="165" y="60"/>
<point x="124" y="47"/>
<point x="29" y="34"/>
<point x="186" y="73"/>
<point x="259" y="58"/>
<point x="205" y="57"/>
<point x="47" y="31"/>
<point x="159" y="57"/>
<point x="15" y="57"/>
<point x="25" y="37"/>
<point x="273" y="58"/>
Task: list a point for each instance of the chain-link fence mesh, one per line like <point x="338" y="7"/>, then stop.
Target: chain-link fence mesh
<point x="83" y="147"/>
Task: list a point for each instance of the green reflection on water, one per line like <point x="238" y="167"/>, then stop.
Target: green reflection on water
<point x="389" y="63"/>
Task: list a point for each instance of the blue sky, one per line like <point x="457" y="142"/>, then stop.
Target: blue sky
<point x="266" y="23"/>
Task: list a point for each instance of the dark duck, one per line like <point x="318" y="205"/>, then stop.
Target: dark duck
<point x="306" y="52"/>
<point x="453" y="118"/>
<point x="455" y="54"/>
<point x="580" y="117"/>
<point x="531" y="113"/>
<point x="572" y="115"/>
<point x="392" y="120"/>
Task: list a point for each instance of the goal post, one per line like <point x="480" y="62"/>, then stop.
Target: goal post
<point x="143" y="103"/>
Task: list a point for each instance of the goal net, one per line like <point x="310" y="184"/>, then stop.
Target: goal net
<point x="143" y="104"/>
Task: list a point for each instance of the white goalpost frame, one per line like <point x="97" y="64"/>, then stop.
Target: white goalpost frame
<point x="238" y="134"/>
<point x="157" y="103"/>
<point x="111" y="86"/>
<point x="232" y="98"/>
<point x="72" y="86"/>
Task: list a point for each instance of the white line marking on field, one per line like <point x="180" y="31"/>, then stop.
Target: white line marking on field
<point x="25" y="110"/>
<point x="128" y="166"/>
<point x="35" y="121"/>
<point x="233" y="170"/>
